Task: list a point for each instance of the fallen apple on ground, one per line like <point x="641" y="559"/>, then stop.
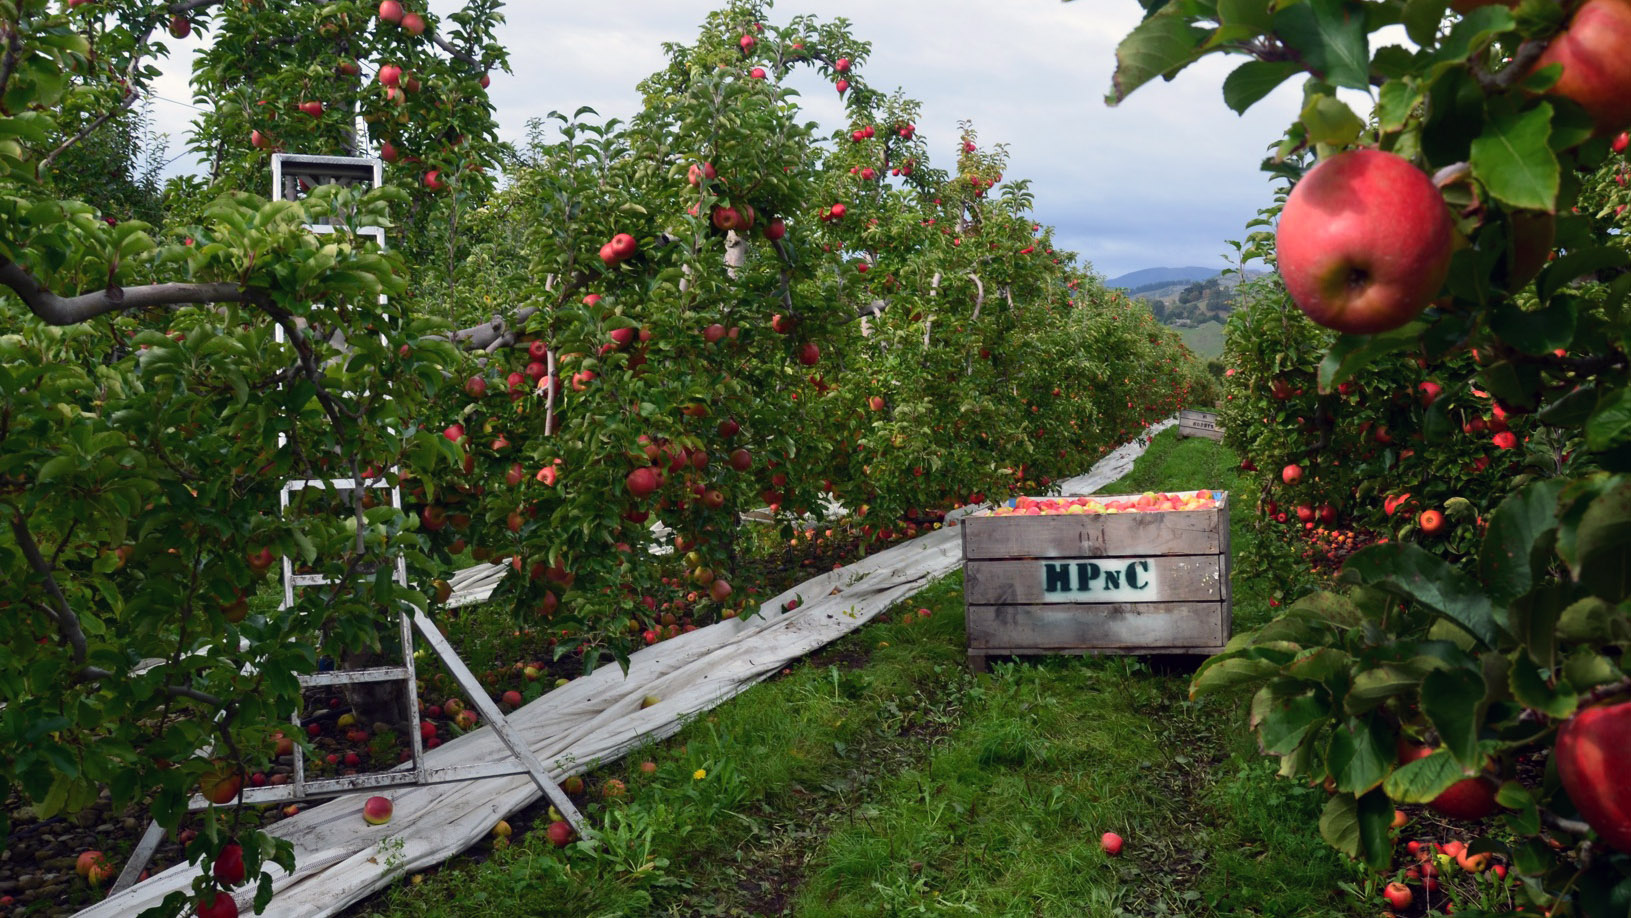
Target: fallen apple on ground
<point x="377" y="811"/>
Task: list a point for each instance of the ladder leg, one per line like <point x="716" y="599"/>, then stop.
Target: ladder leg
<point x="495" y="719"/>
<point x="139" y="859"/>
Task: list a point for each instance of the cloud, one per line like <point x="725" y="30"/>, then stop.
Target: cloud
<point x="1163" y="179"/>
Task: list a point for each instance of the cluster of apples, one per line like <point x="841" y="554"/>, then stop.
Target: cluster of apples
<point x="1148" y="502"/>
<point x="1365" y="239"/>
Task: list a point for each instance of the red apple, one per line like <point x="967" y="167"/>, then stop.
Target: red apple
<point x="475" y="387"/>
<point x="1596" y="68"/>
<point x="809" y="353"/>
<point x="314" y="109"/>
<point x="1591" y="752"/>
<point x="1364" y="242"/>
<point x="560" y="833"/>
<point x="388" y="152"/>
<point x="512" y="698"/>
<point x="623" y="246"/>
<point x="180" y="26"/>
<point x="1430" y="521"/>
<point x="1469" y="799"/>
<point x="413" y="23"/>
<point x="726" y="218"/>
<point x="641" y="482"/>
<point x="376" y="811"/>
<point x="741" y="460"/>
<point x="1398" y="895"/>
<point x="88" y="860"/>
<point x="842" y="86"/>
<point x="221" y="784"/>
<point x="700" y="171"/>
<point x="229" y="864"/>
<point x="390" y="75"/>
<point x="1109" y="841"/>
<point x="1291" y="474"/>
<point x="258" y="140"/>
<point x="217" y="904"/>
<point x="390" y="11"/>
<point x="433" y="180"/>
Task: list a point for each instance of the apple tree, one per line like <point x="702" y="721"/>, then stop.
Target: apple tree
<point x="1487" y="677"/>
<point x="157" y="385"/>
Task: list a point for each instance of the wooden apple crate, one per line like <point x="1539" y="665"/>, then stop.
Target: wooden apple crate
<point x="1193" y="423"/>
<point x="1097" y="583"/>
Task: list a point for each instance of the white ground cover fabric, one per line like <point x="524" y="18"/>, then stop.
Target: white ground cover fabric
<point x="595" y="719"/>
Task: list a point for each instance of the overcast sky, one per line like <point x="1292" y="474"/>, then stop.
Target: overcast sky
<point x="1162" y="180"/>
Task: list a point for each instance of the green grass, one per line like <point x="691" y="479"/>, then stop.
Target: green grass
<point x="879" y="778"/>
<point x="1205" y="339"/>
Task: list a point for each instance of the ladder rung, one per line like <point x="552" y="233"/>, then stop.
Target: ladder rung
<point x="354" y="676"/>
<point x="297" y="484"/>
<point x="301" y="580"/>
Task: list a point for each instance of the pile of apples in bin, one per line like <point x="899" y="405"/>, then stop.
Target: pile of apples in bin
<point x="1148" y="502"/>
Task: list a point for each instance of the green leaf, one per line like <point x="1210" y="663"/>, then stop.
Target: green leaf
<point x="1387" y="680"/>
<point x="1572" y="409"/>
<point x="1505" y="561"/>
<point x="1249" y="83"/>
<point x="1472" y="32"/>
<point x="1568" y="268"/>
<point x="1609" y="425"/>
<point x="1160" y="46"/>
<point x="1601" y="551"/>
<point x="1229" y="673"/>
<point x="1515" y="161"/>
<point x="1359" y="828"/>
<point x="1282" y="723"/>
<point x="1330" y="37"/>
<point x="1538" y="331"/>
<point x="1395" y="103"/>
<point x="1586" y="621"/>
<point x="1329" y="120"/>
<point x="1360" y="754"/>
<point x="1351" y="353"/>
<point x="1425" y="778"/>
<point x="1410" y="572"/>
<point x="1453" y="702"/>
<point x="1422" y="18"/>
<point x="1532" y="689"/>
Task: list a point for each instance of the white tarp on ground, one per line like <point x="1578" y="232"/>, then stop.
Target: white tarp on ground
<point x="340" y="859"/>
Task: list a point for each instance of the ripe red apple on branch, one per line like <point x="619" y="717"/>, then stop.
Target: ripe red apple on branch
<point x="1364" y="242"/>
<point x="1592" y="753"/>
<point x="1596" y="68"/>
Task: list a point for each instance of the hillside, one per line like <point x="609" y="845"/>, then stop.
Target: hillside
<point x="1205" y="340"/>
<point x="1143" y="277"/>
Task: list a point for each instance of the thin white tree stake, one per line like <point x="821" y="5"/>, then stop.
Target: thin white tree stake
<point x="339" y="859"/>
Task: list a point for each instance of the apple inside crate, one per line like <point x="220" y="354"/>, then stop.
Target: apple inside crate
<point x="1126" y="573"/>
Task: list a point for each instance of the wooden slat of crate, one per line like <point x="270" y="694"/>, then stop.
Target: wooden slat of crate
<point x="1192" y="423"/>
<point x="1146" y="627"/>
<point x="1091" y="535"/>
<point x="1148" y="579"/>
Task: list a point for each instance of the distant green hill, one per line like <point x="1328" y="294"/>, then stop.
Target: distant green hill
<point x="1206" y="340"/>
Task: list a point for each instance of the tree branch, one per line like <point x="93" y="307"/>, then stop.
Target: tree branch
<point x="44" y="167"/>
<point x="72" y="310"/>
<point x="308" y="361"/>
<point x="1515" y="69"/>
<point x="67" y="621"/>
<point x="94" y="673"/>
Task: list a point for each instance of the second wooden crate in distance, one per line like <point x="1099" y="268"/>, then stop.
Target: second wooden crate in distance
<point x="1146" y="582"/>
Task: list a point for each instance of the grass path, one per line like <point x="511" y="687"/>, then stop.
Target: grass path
<point x="879" y="778"/>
